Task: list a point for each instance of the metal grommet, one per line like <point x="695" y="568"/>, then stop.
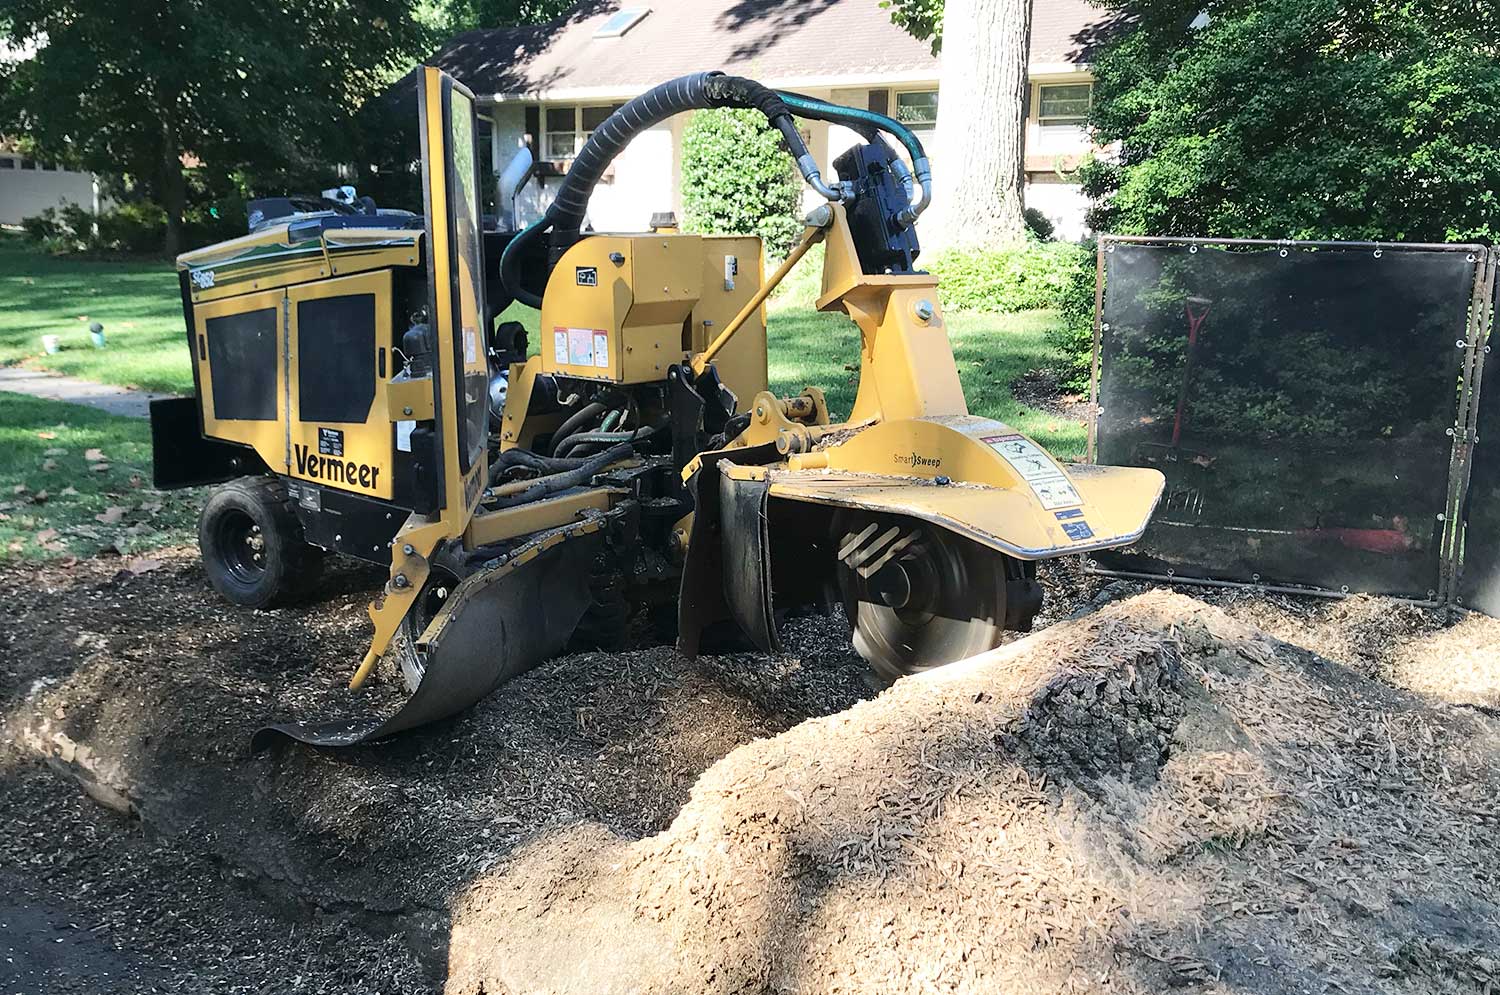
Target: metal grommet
<point x="1110" y="247"/>
<point x="1378" y="254"/>
<point x="1471" y="257"/>
<point x="1450" y="433"/>
<point x="1193" y="249"/>
<point x="1255" y="577"/>
<point x="1462" y="344"/>
<point x="1171" y="572"/>
<point x="1283" y="253"/>
<point x="1344" y="589"/>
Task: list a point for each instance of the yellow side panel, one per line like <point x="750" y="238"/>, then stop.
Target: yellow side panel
<point x="621" y="321"/>
<point x="350" y="455"/>
<point x="265" y="434"/>
<point x="742" y="362"/>
<point x="583" y="310"/>
<point x="1116" y="508"/>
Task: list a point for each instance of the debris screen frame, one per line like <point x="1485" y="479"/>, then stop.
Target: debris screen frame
<point x="1315" y="407"/>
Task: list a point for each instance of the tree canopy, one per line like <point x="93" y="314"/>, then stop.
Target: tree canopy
<point x="251" y="90"/>
<point x="1328" y="119"/>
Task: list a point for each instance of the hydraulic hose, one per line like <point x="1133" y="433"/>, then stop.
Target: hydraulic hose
<point x="698" y="91"/>
<point x="860" y="121"/>
<point x="598" y="438"/>
<point x="543" y="486"/>
<point x="532" y="461"/>
<point x="574" y="422"/>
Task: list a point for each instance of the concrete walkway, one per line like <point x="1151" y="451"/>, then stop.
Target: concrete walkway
<point x="54" y="387"/>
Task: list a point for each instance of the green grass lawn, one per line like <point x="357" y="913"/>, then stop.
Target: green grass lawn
<point x="75" y="481"/>
<point x="137" y="302"/>
<point x="139" y="306"/>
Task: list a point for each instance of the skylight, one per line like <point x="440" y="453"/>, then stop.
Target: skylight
<point x="622" y="21"/>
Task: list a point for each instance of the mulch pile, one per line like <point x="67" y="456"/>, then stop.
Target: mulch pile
<point x="1154" y="796"/>
<point x="1151" y="794"/>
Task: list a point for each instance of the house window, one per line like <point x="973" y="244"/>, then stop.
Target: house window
<point x="565" y="129"/>
<point x="28" y="164"/>
<point x="917" y="108"/>
<point x="6" y="162"/>
<point x="1065" y="104"/>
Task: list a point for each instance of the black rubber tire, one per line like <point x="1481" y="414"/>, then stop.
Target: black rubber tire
<point x="957" y="606"/>
<point x="253" y="546"/>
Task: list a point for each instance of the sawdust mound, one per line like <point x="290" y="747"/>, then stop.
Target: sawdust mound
<point x="1153" y="796"/>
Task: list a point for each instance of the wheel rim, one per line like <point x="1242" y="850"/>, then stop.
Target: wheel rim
<point x="917" y="596"/>
<point x="240" y="545"/>
<point x="429" y="602"/>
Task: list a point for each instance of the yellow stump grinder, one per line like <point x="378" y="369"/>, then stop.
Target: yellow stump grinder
<point x="358" y="394"/>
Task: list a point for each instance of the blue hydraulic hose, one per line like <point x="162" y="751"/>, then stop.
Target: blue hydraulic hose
<point x="822" y="110"/>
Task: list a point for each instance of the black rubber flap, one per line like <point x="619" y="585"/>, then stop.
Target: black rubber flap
<point x="499" y="623"/>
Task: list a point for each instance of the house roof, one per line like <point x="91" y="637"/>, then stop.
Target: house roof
<point x="782" y="42"/>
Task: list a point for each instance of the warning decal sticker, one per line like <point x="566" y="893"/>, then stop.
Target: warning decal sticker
<point x="1045" y="478"/>
<point x="601" y="349"/>
<point x="560" y="346"/>
<point x="581" y="346"/>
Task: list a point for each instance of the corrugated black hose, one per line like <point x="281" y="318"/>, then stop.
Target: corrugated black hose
<point x="696" y="91"/>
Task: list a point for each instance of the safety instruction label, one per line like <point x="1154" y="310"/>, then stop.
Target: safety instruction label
<point x="1045" y="478"/>
<point x="580" y="347"/>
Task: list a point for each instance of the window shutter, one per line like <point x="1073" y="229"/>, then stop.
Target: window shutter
<point x="534" y="128"/>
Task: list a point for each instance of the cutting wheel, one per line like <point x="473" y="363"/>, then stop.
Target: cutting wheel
<point x="917" y="596"/>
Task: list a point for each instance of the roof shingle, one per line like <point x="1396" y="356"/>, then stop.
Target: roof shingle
<point x="783" y="42"/>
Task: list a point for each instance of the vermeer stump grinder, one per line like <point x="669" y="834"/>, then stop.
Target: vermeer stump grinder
<point x="639" y="463"/>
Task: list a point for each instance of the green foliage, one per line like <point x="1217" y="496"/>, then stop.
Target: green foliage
<point x="264" y="91"/>
<point x="1301" y="119"/>
<point x="1039" y="225"/>
<point x="1072" y="337"/>
<point x="1004" y="281"/>
<point x="466" y="15"/>
<point x="737" y="179"/>
<point x="922" y="19"/>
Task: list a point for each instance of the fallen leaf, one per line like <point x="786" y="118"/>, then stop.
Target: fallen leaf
<point x="46" y="535"/>
<point x="94" y="455"/>
<point x="69" y="491"/>
<point x="151" y="507"/>
<point x="16" y="546"/>
<point x="135" y="480"/>
<point x="19" y="489"/>
<point x="46" y="435"/>
<point x="111" y="515"/>
<point x="142" y="564"/>
<point x="98" y="467"/>
<point x="56" y="451"/>
<point x="40" y="497"/>
<point x="4" y="517"/>
<point x="49" y="464"/>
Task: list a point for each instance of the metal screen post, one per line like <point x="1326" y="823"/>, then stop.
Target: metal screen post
<point x="1098" y="357"/>
<point x="1466" y="434"/>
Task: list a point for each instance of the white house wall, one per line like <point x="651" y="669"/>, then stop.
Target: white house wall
<point x="27" y="192"/>
<point x="646" y="177"/>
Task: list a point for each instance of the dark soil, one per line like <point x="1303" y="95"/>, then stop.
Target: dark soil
<point x="145" y="688"/>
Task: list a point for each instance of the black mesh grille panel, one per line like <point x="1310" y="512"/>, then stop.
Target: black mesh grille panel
<point x="336" y="358"/>
<point x="242" y="365"/>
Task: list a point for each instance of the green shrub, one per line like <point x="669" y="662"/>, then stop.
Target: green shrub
<point x="1039" y="225"/>
<point x="1072" y="337"/>
<point x="1004" y="281"/>
<point x="135" y="228"/>
<point x="737" y="179"/>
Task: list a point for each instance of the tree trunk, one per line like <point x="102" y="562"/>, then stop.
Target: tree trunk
<point x="980" y="161"/>
<point x="173" y="187"/>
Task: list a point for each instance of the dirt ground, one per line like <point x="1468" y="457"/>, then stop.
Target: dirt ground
<point x="1161" y="792"/>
